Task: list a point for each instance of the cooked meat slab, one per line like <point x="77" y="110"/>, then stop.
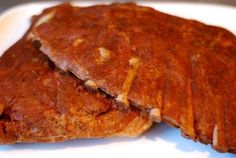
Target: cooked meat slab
<point x="39" y="103"/>
<point x="182" y="71"/>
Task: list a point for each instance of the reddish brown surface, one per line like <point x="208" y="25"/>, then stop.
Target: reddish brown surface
<point x="42" y="104"/>
<point x="187" y="69"/>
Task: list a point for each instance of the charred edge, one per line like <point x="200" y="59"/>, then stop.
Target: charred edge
<point x="5" y="117"/>
<point x="36" y="44"/>
<point x="232" y="150"/>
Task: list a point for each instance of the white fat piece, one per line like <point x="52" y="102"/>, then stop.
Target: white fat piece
<point x="215" y="136"/>
<point x="45" y="18"/>
<point x="133" y="61"/>
<point x="30" y="36"/>
<point x="155" y="114"/>
<point x="217" y="140"/>
<point x="123" y="99"/>
<point x="77" y="42"/>
<point x="91" y="84"/>
<point x="105" y="54"/>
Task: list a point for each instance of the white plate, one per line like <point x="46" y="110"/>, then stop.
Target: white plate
<point x="160" y="141"/>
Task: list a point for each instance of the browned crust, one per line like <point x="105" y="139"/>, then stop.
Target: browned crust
<point x="42" y="104"/>
<point x="186" y="69"/>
